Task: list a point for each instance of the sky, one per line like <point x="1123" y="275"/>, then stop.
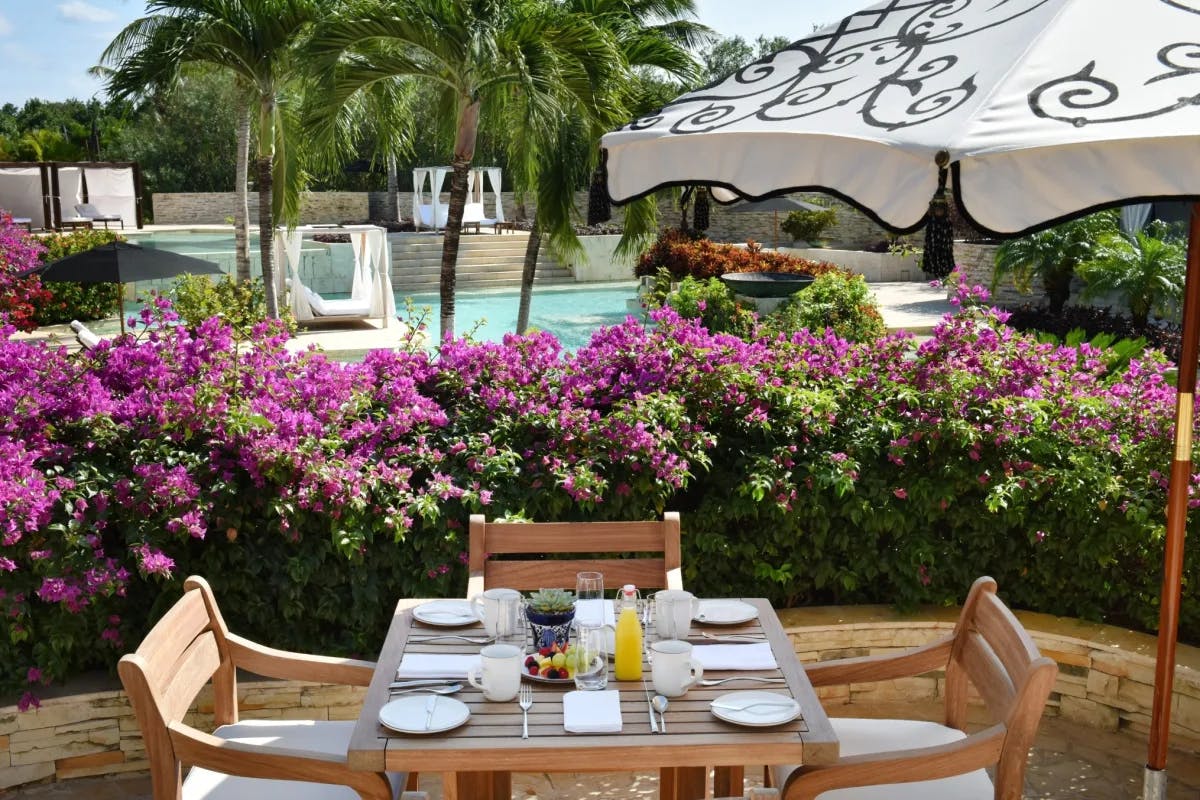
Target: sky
<point x="47" y="46"/>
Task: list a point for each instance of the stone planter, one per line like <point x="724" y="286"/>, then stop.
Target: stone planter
<point x="766" y="284"/>
<point x="599" y="261"/>
<point x="875" y="267"/>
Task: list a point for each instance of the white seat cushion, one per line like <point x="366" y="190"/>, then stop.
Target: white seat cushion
<point x="862" y="736"/>
<point x="311" y="735"/>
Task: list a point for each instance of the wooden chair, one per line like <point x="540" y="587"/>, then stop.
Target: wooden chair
<point x="915" y="760"/>
<point x="259" y="759"/>
<point x="530" y="538"/>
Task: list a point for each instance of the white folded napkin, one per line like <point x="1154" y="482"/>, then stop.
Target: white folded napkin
<point x="717" y="657"/>
<point x="435" y="665"/>
<point x="592" y="712"/>
<point x="595" y="611"/>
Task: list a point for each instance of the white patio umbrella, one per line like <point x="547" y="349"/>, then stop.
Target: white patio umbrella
<point x="1043" y="110"/>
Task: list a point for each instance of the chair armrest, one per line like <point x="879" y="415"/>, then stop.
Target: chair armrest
<point x="260" y="761"/>
<point x="272" y="663"/>
<point x="977" y="751"/>
<point x="868" y="669"/>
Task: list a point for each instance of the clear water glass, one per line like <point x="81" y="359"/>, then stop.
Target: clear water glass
<point x="589" y="597"/>
<point x="591" y="652"/>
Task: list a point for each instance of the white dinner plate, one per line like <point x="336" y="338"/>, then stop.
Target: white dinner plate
<point x="725" y="612"/>
<point x="408" y="714"/>
<point x="755" y="709"/>
<point x="446" y="613"/>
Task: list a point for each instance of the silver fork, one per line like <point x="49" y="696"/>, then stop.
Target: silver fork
<point x="719" y="681"/>
<point x="525" y="700"/>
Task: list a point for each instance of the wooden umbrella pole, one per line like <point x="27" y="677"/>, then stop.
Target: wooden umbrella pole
<point x="121" y="306"/>
<point x="1177" y="506"/>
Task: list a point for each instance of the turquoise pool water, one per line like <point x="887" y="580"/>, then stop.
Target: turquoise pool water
<point x="571" y="313"/>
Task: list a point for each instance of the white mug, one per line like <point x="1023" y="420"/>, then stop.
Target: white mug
<point x="673" y="612"/>
<point x="500" y="610"/>
<point x="673" y="669"/>
<point x="498" y="673"/>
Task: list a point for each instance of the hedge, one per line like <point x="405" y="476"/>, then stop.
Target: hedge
<point x="312" y="493"/>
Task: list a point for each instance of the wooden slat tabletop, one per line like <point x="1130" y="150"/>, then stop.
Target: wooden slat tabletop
<point x="491" y="738"/>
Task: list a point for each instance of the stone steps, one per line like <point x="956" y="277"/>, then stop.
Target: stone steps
<point x="484" y="261"/>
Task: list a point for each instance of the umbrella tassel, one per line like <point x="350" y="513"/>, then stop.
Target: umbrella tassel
<point x="599" y="209"/>
<point x="937" y="260"/>
<point x="701" y="211"/>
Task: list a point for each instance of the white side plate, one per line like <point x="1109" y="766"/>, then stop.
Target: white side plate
<point x="408" y="714"/>
<point x="725" y="612"/>
<point x="446" y="613"/>
<point x="755" y="709"/>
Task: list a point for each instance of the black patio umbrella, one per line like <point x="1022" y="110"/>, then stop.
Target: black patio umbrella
<point x="121" y="263"/>
<point x="775" y="204"/>
<point x="1040" y="111"/>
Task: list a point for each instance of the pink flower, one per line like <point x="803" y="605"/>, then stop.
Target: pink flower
<point x="34" y="675"/>
<point x="900" y="493"/>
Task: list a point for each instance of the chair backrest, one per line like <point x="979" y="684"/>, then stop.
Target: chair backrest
<point x="993" y="653"/>
<point x="538" y="540"/>
<point x="184" y="651"/>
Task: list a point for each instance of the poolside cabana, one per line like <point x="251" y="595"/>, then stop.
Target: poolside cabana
<point x="434" y="213"/>
<point x="47" y="192"/>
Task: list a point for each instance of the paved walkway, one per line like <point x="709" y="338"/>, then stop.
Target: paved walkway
<point x="1068" y="762"/>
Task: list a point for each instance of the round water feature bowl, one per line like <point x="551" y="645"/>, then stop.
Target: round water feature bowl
<point x="766" y="284"/>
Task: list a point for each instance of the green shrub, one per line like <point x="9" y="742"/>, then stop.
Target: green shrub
<point x="808" y="226"/>
<point x="834" y="301"/>
<point x="82" y="301"/>
<point x="711" y="302"/>
<point x="685" y="254"/>
<point x="242" y="305"/>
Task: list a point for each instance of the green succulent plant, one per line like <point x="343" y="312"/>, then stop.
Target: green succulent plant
<point x="551" y="601"/>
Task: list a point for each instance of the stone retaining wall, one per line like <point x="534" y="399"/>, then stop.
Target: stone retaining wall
<point x="852" y="231"/>
<point x="1106" y="678"/>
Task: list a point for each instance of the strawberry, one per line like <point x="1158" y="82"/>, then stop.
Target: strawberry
<point x="546" y="651"/>
<point x="533" y="669"/>
<point x="530" y="661"/>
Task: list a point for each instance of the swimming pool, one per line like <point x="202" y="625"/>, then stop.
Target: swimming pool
<point x="572" y="313"/>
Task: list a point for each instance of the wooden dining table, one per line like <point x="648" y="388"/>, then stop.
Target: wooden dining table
<point x="478" y="758"/>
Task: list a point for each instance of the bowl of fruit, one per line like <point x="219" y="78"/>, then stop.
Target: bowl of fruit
<point x="555" y="663"/>
<point x="549" y="613"/>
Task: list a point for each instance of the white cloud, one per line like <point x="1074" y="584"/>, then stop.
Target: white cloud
<point x="79" y="11"/>
<point x="5" y="26"/>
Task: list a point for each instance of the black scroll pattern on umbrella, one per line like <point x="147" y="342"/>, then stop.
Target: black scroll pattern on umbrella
<point x="1088" y="98"/>
<point x="896" y="79"/>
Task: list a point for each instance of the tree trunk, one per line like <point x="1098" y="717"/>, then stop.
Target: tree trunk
<point x="464" y="151"/>
<point x="527" y="275"/>
<point x="393" y="190"/>
<point x="241" y="207"/>
<point x="266" y="237"/>
<point x="1058" y="287"/>
<point x="266" y="201"/>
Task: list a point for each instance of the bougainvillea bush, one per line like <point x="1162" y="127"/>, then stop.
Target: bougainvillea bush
<point x="19" y="296"/>
<point x="808" y="470"/>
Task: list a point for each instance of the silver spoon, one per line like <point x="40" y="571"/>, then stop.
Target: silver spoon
<point x="448" y="689"/>
<point x="660" y="705"/>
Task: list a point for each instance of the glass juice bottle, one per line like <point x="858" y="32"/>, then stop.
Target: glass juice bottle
<point x="627" y="659"/>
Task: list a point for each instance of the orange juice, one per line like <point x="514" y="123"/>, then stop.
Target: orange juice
<point x="627" y="661"/>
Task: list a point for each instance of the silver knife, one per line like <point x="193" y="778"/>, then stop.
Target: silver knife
<point x="649" y="705"/>
<point x="430" y="705"/>
<point x="423" y="682"/>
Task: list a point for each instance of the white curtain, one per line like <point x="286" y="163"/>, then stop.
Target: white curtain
<point x="287" y="250"/>
<point x="70" y="192"/>
<point x="494" y="177"/>
<point x="1134" y="218"/>
<point x="111" y="191"/>
<point x="21" y="193"/>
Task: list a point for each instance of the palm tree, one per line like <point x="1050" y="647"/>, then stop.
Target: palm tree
<point x="649" y="34"/>
<point x="256" y="41"/>
<point x="1146" y="271"/>
<point x="1052" y="255"/>
<point x="478" y="52"/>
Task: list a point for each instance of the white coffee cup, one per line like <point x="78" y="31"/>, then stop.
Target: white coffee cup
<point x="500" y="610"/>
<point x="673" y="612"/>
<point x="498" y="673"/>
<point x="673" y="669"/>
